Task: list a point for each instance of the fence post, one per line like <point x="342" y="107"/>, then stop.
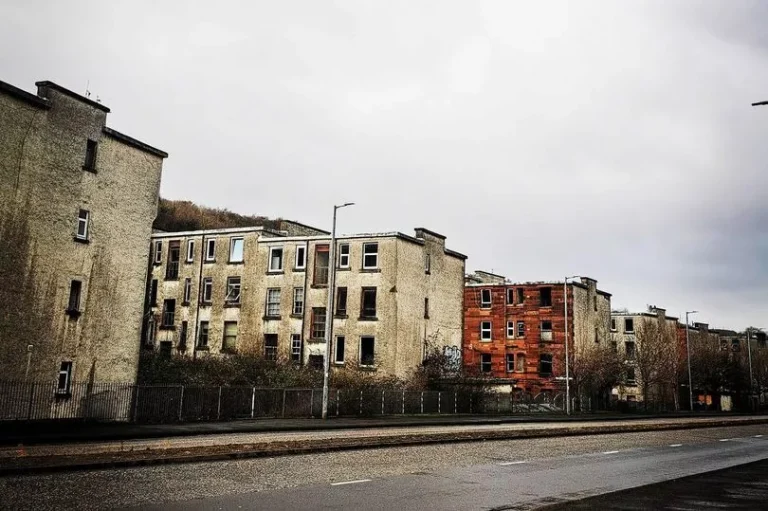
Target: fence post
<point x="382" y="401"/>
<point x="253" y="401"/>
<point x="181" y="404"/>
<point x="136" y="404"/>
<point x="403" y="401"/>
<point x="312" y="404"/>
<point x="361" y="401"/>
<point x="31" y="401"/>
<point x="455" y="402"/>
<point x="283" y="414"/>
<point x="422" y="402"/>
<point x="439" y="401"/>
<point x="218" y="408"/>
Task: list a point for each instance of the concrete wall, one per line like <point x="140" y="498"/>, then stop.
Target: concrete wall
<point x="42" y="187"/>
<point x="591" y="316"/>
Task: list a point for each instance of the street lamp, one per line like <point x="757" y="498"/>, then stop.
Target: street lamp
<point x="749" y="352"/>
<point x="688" y="352"/>
<point x="760" y="103"/>
<point x="329" y="309"/>
<point x="567" y="357"/>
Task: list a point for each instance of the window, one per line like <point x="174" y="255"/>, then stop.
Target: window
<point x="520" y="296"/>
<point x="158" y="252"/>
<point x="276" y="259"/>
<point x="210" y="250"/>
<point x="75" y="289"/>
<point x="370" y="256"/>
<point x="735" y="345"/>
<point x="321" y="265"/>
<point x="629" y="325"/>
<point x="301" y="257"/>
<point x="367" y="350"/>
<point x="510" y="329"/>
<point x="521" y="329"/>
<point x="341" y="301"/>
<point x="427" y="264"/>
<point x="631" y="376"/>
<point x="207" y="290"/>
<point x="153" y="294"/>
<point x="64" y="385"/>
<point x="485" y="363"/>
<point x="318" y="323"/>
<point x="338" y="352"/>
<point x="368" y="305"/>
<point x="236" y="250"/>
<point x="545" y="365"/>
<point x="597" y="335"/>
<point x="82" y="224"/>
<point x="233" y="291"/>
<point x="485" y="330"/>
<point x="344" y="255"/>
<point x="183" y="334"/>
<point x="298" y="301"/>
<point x="230" y="337"/>
<point x="594" y="301"/>
<point x="169" y="313"/>
<point x="546" y="330"/>
<point x="510" y="362"/>
<point x="426" y="308"/>
<point x="296" y="348"/>
<point x="510" y="296"/>
<point x="520" y="368"/>
<point x="190" y="251"/>
<point x="613" y="324"/>
<point x="485" y="298"/>
<point x="629" y="349"/>
<point x="546" y="297"/>
<point x="273" y="302"/>
<point x="187" y="291"/>
<point x="174" y="254"/>
<point x="90" y="155"/>
<point x="615" y="346"/>
<point x="202" y="336"/>
<point x="270" y="346"/>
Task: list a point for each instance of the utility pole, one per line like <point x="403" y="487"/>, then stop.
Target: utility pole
<point x="329" y="309"/>
<point x="688" y="351"/>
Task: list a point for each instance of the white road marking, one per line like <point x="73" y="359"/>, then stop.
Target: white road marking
<point x="725" y="439"/>
<point x="758" y="436"/>
<point x="505" y="463"/>
<point x="610" y="452"/>
<point x="676" y="445"/>
<point x="351" y="482"/>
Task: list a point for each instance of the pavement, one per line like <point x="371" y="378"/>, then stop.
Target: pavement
<point x="185" y="449"/>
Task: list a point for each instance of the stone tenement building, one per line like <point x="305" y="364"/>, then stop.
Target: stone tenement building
<point x="625" y="326"/>
<point x="77" y="201"/>
<point x="261" y="291"/>
<point x="515" y="333"/>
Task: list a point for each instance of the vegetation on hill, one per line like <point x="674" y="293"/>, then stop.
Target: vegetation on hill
<point x="179" y="215"/>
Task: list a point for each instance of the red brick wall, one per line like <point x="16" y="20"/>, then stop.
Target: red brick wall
<point x="531" y="313"/>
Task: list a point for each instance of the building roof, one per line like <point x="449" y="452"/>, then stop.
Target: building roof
<point x="67" y="92"/>
<point x="157" y="234"/>
<point x="23" y="95"/>
<point x="133" y="142"/>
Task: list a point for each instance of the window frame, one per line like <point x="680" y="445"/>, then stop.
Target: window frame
<point x="428" y="264"/>
<point x="630" y="330"/>
<point x="203" y="334"/>
<point x="66" y="368"/>
<point x="75" y="298"/>
<point x="233" y="241"/>
<point x="520" y="359"/>
<point x="484" y="363"/>
<point x="172" y="266"/>
<point x="321" y="275"/>
<point x="375" y="255"/>
<point x="300" y="249"/>
<point x="168" y="312"/>
<point x="190" y="251"/>
<point x="613" y="324"/>
<point x="298" y="311"/>
<point x="317" y="313"/>
<point x="550" y="362"/>
<point x="297" y="349"/>
<point x="84" y="222"/>
<point x="91" y="153"/>
<point x="336" y="350"/>
<point x="372" y="361"/>
<point x="341" y="291"/>
<point x="187" y="293"/>
<point x="210" y="250"/>
<point x="520" y="296"/>
<point x="344" y="256"/>
<point x="542" y="301"/>
<point x="510" y="296"/>
<point x="270" y="350"/>
<point x="207" y="289"/>
<point x="365" y="312"/>
<point x="234" y="282"/>
<point x="511" y="328"/>
<point x="520" y="333"/>
<point x="183" y="333"/>
<point x="272" y="309"/>
<point x="272" y="259"/>
<point x="225" y="348"/>
<point x="510" y="365"/>
<point x="483" y="303"/>
<point x="158" y="252"/>
<point x="484" y="330"/>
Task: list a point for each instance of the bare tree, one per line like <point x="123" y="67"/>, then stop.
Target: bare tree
<point x="657" y="357"/>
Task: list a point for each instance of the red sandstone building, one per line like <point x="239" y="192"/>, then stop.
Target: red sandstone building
<point x="515" y="333"/>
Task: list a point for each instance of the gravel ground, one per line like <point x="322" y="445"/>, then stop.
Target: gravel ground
<point x="108" y="489"/>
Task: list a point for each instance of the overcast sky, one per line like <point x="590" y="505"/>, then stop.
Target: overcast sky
<point x="611" y="139"/>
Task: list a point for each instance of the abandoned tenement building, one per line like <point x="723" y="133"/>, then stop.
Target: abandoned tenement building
<point x="77" y="201"/>
<point x="263" y="291"/>
<point x="515" y="333"/>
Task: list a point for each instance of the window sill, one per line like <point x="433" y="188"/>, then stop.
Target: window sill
<point x="189" y="261"/>
<point x="231" y="305"/>
<point x="78" y="239"/>
<point x="299" y="270"/>
<point x="201" y="348"/>
<point x="338" y="364"/>
<point x="340" y="316"/>
<point x="343" y="268"/>
<point x="235" y="263"/>
<point x="370" y="368"/>
<point x="426" y="316"/>
<point x="92" y="170"/>
<point x="275" y="272"/>
<point x="73" y="313"/>
<point x="171" y="279"/>
<point x="319" y="286"/>
<point x="166" y="327"/>
<point x="486" y="340"/>
<point x="271" y="318"/>
<point x="209" y="261"/>
<point x="185" y="304"/>
<point x="206" y="304"/>
<point x="297" y="316"/>
<point x="370" y="270"/>
<point x="367" y="318"/>
<point x="315" y="339"/>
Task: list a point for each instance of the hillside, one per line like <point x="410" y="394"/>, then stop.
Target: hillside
<point x="182" y="215"/>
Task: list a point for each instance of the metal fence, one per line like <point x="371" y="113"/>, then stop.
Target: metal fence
<point x="188" y="403"/>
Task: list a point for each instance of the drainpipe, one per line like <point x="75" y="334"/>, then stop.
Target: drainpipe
<point x="199" y="290"/>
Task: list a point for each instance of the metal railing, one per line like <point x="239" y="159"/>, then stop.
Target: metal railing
<point x="190" y="403"/>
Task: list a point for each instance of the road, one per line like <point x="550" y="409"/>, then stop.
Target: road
<point x="514" y="474"/>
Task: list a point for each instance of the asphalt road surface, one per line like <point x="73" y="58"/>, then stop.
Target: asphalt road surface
<point x="515" y="474"/>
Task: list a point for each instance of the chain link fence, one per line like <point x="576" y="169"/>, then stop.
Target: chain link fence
<point x="146" y="404"/>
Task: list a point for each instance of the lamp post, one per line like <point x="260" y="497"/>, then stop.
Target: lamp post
<point x="567" y="351"/>
<point x="749" y="353"/>
<point x="329" y="309"/>
<point x="760" y="103"/>
<point x="688" y="352"/>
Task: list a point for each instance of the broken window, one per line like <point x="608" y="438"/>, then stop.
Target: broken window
<point x="300" y="261"/>
<point x="273" y="302"/>
<point x="183" y="334"/>
<point x="187" y="291"/>
<point x="485" y="330"/>
<point x="174" y="254"/>
<point x="270" y="346"/>
<point x="207" y="290"/>
<point x="510" y="362"/>
<point x="546" y="297"/>
<point x="153" y="293"/>
<point x="321" y="265"/>
<point x="485" y="298"/>
<point x="545" y="364"/>
<point x="210" y="250"/>
<point x="631" y="376"/>
<point x="276" y="259"/>
<point x="298" y="301"/>
<point x="629" y="325"/>
<point x="338" y="353"/>
<point x="367" y="349"/>
<point x="169" y="313"/>
<point x="521" y="329"/>
<point x="344" y="255"/>
<point x="368" y="306"/>
<point x="546" y="330"/>
<point x="82" y="224"/>
<point x="75" y="289"/>
<point x="190" y="251"/>
<point x="520" y="368"/>
<point x="318" y="323"/>
<point x="341" y="301"/>
<point x="236" y="246"/>
<point x="229" y="342"/>
<point x="90" y="155"/>
<point x="629" y="350"/>
<point x="520" y="295"/>
<point x="64" y="384"/>
<point x="296" y="348"/>
<point x="485" y="362"/>
<point x="202" y="337"/>
<point x="370" y="256"/>
<point x="510" y="296"/>
<point x="233" y="291"/>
